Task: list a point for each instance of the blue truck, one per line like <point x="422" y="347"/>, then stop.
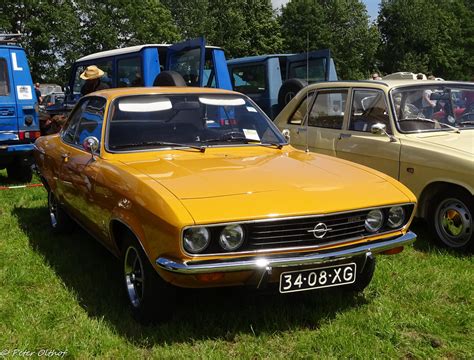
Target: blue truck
<point x="273" y="80"/>
<point x="19" y="119"/>
<point x="191" y="60"/>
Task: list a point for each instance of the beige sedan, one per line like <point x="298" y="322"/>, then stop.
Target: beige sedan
<point x="419" y="132"/>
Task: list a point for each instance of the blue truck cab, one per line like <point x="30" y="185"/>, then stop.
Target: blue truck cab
<point x="273" y="80"/>
<point x="197" y="64"/>
<point x="19" y="119"/>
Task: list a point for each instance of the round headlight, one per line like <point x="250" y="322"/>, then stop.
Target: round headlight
<point x="374" y="220"/>
<point x="232" y="237"/>
<point x="396" y="217"/>
<point x="196" y="239"/>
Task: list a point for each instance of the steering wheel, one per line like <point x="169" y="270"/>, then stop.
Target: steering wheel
<point x="230" y="135"/>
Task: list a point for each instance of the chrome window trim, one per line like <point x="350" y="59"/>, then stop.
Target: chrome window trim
<point x="294" y="218"/>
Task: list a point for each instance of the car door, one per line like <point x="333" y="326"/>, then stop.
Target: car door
<point x="79" y="168"/>
<point x="326" y="120"/>
<point x="357" y="143"/>
<point x="187" y="58"/>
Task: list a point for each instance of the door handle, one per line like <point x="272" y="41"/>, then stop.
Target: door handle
<point x="65" y="157"/>
<point x="301" y="129"/>
<point x="342" y="136"/>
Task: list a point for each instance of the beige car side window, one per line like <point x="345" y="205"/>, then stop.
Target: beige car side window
<point x="368" y="108"/>
<point x="328" y="109"/>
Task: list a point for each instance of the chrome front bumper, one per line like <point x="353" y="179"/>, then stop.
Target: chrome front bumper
<point x="274" y="261"/>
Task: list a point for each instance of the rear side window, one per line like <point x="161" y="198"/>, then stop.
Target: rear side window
<point x="328" y="109"/>
<point x="129" y="72"/>
<point x="249" y="79"/>
<point x="4" y="83"/>
<point x="105" y="66"/>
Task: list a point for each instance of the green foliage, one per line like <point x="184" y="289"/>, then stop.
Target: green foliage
<point x="340" y="25"/>
<point x="57" y="32"/>
<point x="428" y="36"/>
<point x="48" y="28"/>
<point x="241" y="27"/>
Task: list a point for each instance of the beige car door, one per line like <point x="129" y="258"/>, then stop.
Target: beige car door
<point x="326" y="116"/>
<point x="357" y="143"/>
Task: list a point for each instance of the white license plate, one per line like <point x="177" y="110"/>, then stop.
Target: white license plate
<point x="302" y="280"/>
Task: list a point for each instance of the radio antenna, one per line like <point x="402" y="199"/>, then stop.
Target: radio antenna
<point x="307" y="92"/>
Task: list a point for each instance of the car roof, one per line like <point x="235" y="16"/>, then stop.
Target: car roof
<point x="385" y="83"/>
<point x="126" y="50"/>
<point x="257" y="58"/>
<point x="118" y="92"/>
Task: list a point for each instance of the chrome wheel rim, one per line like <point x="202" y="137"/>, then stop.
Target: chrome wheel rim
<point x="53" y="210"/>
<point x="134" y="276"/>
<point x="453" y="222"/>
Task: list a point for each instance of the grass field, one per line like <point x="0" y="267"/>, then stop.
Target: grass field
<point x="64" y="293"/>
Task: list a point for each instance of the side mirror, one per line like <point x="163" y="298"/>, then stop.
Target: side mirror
<point x="381" y="129"/>
<point x="286" y="134"/>
<point x="91" y="144"/>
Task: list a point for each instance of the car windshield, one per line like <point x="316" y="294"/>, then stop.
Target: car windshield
<point x="142" y="122"/>
<point x="442" y="107"/>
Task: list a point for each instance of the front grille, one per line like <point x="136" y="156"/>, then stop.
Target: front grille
<point x="300" y="231"/>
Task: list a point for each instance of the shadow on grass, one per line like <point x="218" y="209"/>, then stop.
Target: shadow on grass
<point x="425" y="241"/>
<point x="94" y="275"/>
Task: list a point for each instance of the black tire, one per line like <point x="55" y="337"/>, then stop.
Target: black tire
<point x="169" y="78"/>
<point x="150" y="298"/>
<point x="451" y="220"/>
<point x="288" y="91"/>
<point x="20" y="171"/>
<point x="364" y="277"/>
<point x="59" y="220"/>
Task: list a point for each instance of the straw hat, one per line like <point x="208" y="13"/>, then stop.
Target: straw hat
<point x="92" y="72"/>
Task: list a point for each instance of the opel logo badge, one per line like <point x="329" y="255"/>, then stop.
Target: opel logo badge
<point x="320" y="230"/>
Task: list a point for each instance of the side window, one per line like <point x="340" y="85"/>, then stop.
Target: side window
<point x="105" y="66"/>
<point x="129" y="72"/>
<point x="91" y="120"/>
<point x="4" y="82"/>
<point x="301" y="111"/>
<point x="328" y="109"/>
<point x="368" y="108"/>
<point x="71" y="126"/>
<point x="249" y="79"/>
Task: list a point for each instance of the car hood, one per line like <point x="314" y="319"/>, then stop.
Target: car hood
<point x="461" y="142"/>
<point x="224" y="186"/>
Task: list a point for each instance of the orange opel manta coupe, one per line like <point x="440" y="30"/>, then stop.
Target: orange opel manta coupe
<point x="196" y="187"/>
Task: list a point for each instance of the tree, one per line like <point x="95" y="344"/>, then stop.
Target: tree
<point x="427" y="36"/>
<point x="340" y="25"/>
<point x="57" y="32"/>
<point x="49" y="30"/>
<point x="241" y="27"/>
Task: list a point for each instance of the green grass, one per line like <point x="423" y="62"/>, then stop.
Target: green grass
<point x="65" y="293"/>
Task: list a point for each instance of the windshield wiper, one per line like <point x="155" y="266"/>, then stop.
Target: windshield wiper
<point x="467" y="122"/>
<point x="158" y="143"/>
<point x="245" y="141"/>
<point x="418" y="118"/>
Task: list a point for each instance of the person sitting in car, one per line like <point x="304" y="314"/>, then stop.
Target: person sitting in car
<point x="92" y="76"/>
